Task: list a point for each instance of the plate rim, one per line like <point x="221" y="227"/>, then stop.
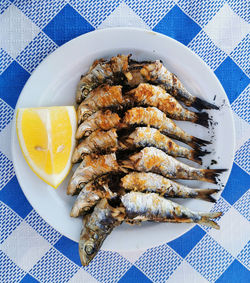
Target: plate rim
<point x="96" y="32"/>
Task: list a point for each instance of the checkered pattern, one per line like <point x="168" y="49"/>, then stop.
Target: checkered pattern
<point x="218" y="31"/>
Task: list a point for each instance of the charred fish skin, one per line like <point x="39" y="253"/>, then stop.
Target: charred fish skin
<point x="156" y="96"/>
<point x="102" y="71"/>
<point x="90" y="195"/>
<point x="103" y="120"/>
<point x="154" y="183"/>
<point x="156" y="73"/>
<point x="86" y="199"/>
<point x="99" y="74"/>
<point x="97" y="226"/>
<point x="103" y="96"/>
<point x="152" y="207"/>
<point x="98" y="142"/>
<point x="153" y="117"/>
<point x="146" y="137"/>
<point x="90" y="168"/>
<point x="154" y="160"/>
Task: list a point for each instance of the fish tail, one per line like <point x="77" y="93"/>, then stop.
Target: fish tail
<point x="200" y="104"/>
<point x="210" y="175"/>
<point x="202" y="119"/>
<point x="196" y="155"/>
<point x="197" y="143"/>
<point x="206" y="219"/>
<point x="206" y="194"/>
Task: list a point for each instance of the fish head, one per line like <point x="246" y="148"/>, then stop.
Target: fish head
<point x="89" y="247"/>
<point x="84" y="130"/>
<point x="83" y="112"/>
<point x="76" y="156"/>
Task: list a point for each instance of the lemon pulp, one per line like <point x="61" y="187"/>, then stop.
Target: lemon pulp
<point x="46" y="137"/>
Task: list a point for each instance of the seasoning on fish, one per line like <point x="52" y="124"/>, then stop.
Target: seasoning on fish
<point x="152" y="207"/>
<point x="156" y="73"/>
<point x="101" y="97"/>
<point x="103" y="120"/>
<point x="102" y="71"/>
<point x="96" y="227"/>
<point x="90" y="195"/>
<point x="90" y="168"/>
<point x="98" y="142"/>
<point x="156" y="96"/>
<point x="146" y="136"/>
<point x="155" y="118"/>
<point x="154" y="160"/>
<point x="154" y="183"/>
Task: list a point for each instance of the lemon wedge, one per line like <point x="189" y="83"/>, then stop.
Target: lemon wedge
<point x="47" y="139"/>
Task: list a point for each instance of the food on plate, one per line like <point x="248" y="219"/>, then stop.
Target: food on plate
<point x="98" y="142"/>
<point x="155" y="118"/>
<point x="125" y="112"/>
<point x="146" y="136"/>
<point x="102" y="71"/>
<point x="156" y="96"/>
<point x="123" y="129"/>
<point x="46" y="137"/>
<point x="157" y="73"/>
<point x="91" y="194"/>
<point x="154" y="160"/>
<point x="152" y="207"/>
<point x="154" y="183"/>
<point x="101" y="97"/>
<point x="102" y="119"/>
<point x="121" y="68"/>
<point x="96" y="227"/>
<point x="90" y="168"/>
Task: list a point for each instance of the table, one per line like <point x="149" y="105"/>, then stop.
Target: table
<point x="218" y="31"/>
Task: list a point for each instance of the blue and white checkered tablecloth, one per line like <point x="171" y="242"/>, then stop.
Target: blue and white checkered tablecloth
<point x="218" y="31"/>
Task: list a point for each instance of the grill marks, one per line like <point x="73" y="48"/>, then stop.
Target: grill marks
<point x="127" y="153"/>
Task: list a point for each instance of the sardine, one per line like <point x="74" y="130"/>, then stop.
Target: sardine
<point x="151" y="95"/>
<point x="152" y="207"/>
<point x="103" y="120"/>
<point x="90" y="195"/>
<point x="154" y="160"/>
<point x="154" y="183"/>
<point x="146" y="136"/>
<point x="96" y="227"/>
<point x="155" y="118"/>
<point x="102" y="71"/>
<point x="98" y="142"/>
<point x="156" y="73"/>
<point x="90" y="168"/>
<point x="101" y="97"/>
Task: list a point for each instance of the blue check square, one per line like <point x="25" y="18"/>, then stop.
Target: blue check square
<point x="236" y="272"/>
<point x="12" y="81"/>
<point x="232" y="78"/>
<point x="178" y="25"/>
<point x="66" y="25"/>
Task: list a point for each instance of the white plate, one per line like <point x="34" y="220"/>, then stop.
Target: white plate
<point x="54" y="83"/>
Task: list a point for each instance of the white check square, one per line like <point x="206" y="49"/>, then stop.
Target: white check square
<point x="25" y="246"/>
<point x="132" y="256"/>
<point x="16" y="31"/>
<point x="82" y="276"/>
<point x="123" y="16"/>
<point x="227" y="29"/>
<point x="185" y="273"/>
<point x="234" y="232"/>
